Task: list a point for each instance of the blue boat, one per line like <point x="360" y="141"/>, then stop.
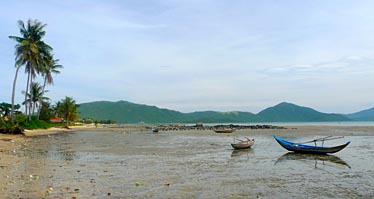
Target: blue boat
<point x="303" y="148"/>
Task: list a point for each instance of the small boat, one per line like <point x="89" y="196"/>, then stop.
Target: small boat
<point x="224" y="130"/>
<point x="243" y="144"/>
<point x="154" y="130"/>
<point x="303" y="148"/>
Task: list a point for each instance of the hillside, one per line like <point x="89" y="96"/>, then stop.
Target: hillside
<point x="222" y="117"/>
<point x="127" y="112"/>
<point x="365" y="115"/>
<point x="287" y="112"/>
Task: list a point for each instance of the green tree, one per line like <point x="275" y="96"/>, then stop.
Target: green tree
<point x="5" y="110"/>
<point x="31" y="52"/>
<point x="46" y="111"/>
<point x="35" y="97"/>
<point x="50" y="68"/>
<point x="68" y="109"/>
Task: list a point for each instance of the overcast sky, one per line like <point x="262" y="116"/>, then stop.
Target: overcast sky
<point x="196" y="55"/>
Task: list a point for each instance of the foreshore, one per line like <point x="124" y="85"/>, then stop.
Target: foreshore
<point x="9" y="142"/>
<point x="40" y="164"/>
<point x="203" y="130"/>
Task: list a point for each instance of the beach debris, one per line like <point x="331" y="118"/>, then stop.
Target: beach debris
<point x="166" y="184"/>
<point x="34" y="177"/>
<point x="109" y="194"/>
<point x="137" y="184"/>
<point x="7" y="140"/>
<point x="76" y="190"/>
<point x="50" y="189"/>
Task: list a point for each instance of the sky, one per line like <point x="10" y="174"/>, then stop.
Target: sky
<point x="198" y="55"/>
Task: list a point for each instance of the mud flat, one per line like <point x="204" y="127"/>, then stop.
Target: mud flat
<point x="134" y="162"/>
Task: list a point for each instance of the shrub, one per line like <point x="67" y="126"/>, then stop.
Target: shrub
<point x="34" y="123"/>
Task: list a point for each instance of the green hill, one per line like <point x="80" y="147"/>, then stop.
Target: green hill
<point x="287" y="112"/>
<point x="365" y="115"/>
<point x="126" y="112"/>
<point x="222" y="117"/>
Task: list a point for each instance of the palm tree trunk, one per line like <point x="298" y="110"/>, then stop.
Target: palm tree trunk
<point x="27" y="90"/>
<point x="14" y="92"/>
<point x="41" y="98"/>
<point x="31" y="106"/>
<point x="67" y="120"/>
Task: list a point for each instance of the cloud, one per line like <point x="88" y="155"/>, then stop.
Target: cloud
<point x="345" y="66"/>
<point x="194" y="55"/>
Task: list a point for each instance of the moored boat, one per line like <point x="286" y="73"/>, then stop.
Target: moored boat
<point x="303" y="148"/>
<point x="243" y="144"/>
<point x="224" y="130"/>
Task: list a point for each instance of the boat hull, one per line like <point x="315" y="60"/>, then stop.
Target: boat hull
<point x="302" y="148"/>
<point x="243" y="144"/>
<point x="224" y="130"/>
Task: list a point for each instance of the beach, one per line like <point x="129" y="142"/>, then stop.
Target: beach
<point x="133" y="162"/>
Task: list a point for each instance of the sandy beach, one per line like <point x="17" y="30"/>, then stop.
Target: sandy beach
<point x="78" y="162"/>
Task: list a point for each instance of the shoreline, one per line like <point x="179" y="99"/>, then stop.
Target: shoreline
<point x="284" y="130"/>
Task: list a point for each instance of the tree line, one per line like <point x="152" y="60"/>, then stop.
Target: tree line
<point x="36" y="57"/>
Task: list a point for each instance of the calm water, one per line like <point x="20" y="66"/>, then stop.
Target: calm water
<point x="140" y="165"/>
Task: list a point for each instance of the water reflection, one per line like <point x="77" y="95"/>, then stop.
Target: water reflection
<point x="239" y="152"/>
<point x="322" y="159"/>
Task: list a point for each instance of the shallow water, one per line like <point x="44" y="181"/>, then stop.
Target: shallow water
<point x="185" y="165"/>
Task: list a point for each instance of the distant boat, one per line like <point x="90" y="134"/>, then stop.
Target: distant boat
<point x="224" y="130"/>
<point x="303" y="148"/>
<point x="243" y="144"/>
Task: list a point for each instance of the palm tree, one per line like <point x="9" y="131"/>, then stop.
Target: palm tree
<point x="50" y="68"/>
<point x="35" y="97"/>
<point x="68" y="109"/>
<point x="31" y="51"/>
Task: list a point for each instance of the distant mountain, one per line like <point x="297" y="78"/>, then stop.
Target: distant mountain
<point x="287" y="112"/>
<point x="127" y="112"/>
<point x="365" y="115"/>
<point x="222" y="117"/>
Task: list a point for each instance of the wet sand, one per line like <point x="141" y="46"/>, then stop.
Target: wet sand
<point x="132" y="162"/>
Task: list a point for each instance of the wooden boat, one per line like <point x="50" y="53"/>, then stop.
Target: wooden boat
<point x="243" y="144"/>
<point x="303" y="148"/>
<point x="224" y="130"/>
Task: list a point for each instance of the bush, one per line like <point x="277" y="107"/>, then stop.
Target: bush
<point x="34" y="123"/>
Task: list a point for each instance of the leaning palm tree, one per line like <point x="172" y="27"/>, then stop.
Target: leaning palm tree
<point x="30" y="52"/>
<point x="50" y="68"/>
